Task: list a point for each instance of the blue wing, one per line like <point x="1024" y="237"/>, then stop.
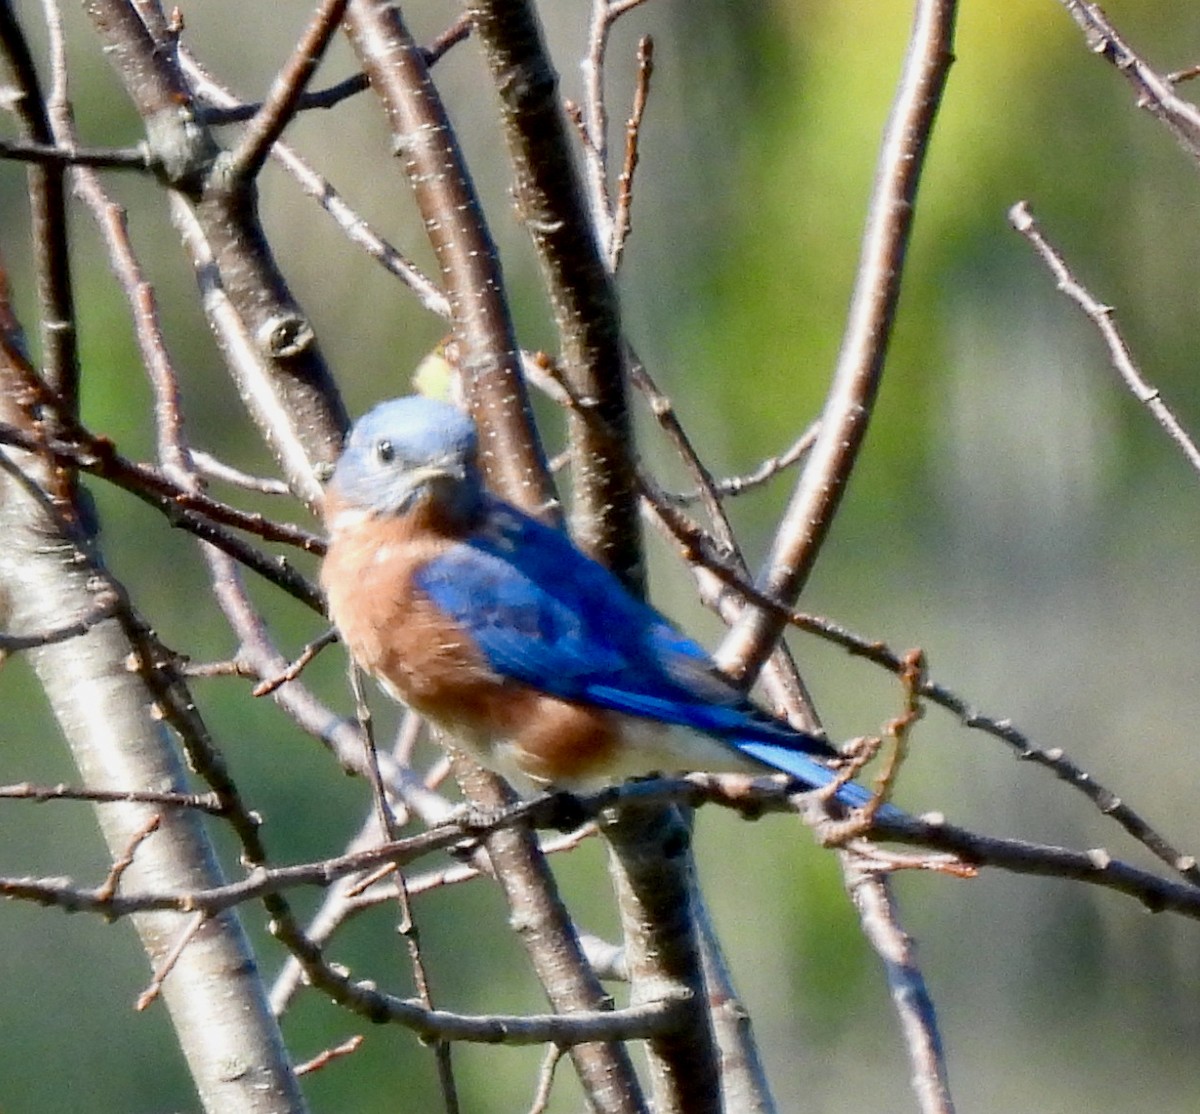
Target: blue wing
<point x="544" y="614"/>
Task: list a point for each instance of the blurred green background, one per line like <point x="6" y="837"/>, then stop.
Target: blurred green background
<point x="1016" y="513"/>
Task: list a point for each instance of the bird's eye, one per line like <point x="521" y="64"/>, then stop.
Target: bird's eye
<point x="385" y="451"/>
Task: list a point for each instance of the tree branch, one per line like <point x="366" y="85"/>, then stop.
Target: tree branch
<point x="551" y="201"/>
<point x="1101" y="316"/>
<point x="856" y="380"/>
<point x="1155" y="93"/>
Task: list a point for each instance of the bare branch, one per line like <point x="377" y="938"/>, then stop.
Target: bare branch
<point x="107" y="714"/>
<point x="550" y="938"/>
<point x="47" y="197"/>
<point x="25" y="791"/>
<point x="388" y="828"/>
<point x="186" y="510"/>
<point x="1101" y="316"/>
<point x="466" y="253"/>
<point x="750" y="797"/>
<point x="99" y="158"/>
<point x="512" y="458"/>
<point x="654" y="882"/>
<point x="356" y="229"/>
<point x="698" y="547"/>
<point x="324" y="1059"/>
<point x="622" y="216"/>
<point x="551" y="200"/>
<point x="744" y="1083"/>
<point x="269" y="345"/>
<point x="1154" y="92"/>
<point x="856" y="381"/>
<point x="283" y="102"/>
<point x="880" y="921"/>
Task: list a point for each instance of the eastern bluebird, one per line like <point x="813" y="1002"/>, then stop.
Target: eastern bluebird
<point x="494" y="626"/>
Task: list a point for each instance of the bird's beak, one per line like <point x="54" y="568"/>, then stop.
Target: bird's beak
<point x="448" y="468"/>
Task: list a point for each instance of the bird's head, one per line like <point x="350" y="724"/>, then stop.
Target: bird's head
<point x="407" y="453"/>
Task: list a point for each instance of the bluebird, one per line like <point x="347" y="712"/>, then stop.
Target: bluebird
<point x="531" y="655"/>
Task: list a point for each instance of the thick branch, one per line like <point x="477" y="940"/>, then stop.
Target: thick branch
<point x="424" y="139"/>
<point x="268" y="343"/>
<point x="551" y="201"/>
<point x="652" y="873"/>
<point x="213" y="991"/>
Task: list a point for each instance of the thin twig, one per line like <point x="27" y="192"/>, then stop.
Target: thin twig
<point x="541" y="1098"/>
<point x="621" y="221"/>
<point x="899" y="729"/>
<point x="26" y="791"/>
<point x="337" y="1052"/>
<point x="99" y="158"/>
<point x="880" y="919"/>
<point x="592" y="119"/>
<point x="731" y="486"/>
<point x="229" y="668"/>
<point x="1101" y="316"/>
<point x="235" y="112"/>
<point x="1153" y="91"/>
<point x="211" y="468"/>
<point x="282" y="102"/>
<point x="265" y="688"/>
<point x="186" y="935"/>
<point x="124" y="861"/>
<point x="1188" y="73"/>
<point x="104" y="607"/>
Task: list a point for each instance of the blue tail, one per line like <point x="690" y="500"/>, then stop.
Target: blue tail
<point x="816" y="775"/>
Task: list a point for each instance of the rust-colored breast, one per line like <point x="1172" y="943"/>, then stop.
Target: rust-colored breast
<point x="396" y="633"/>
<point x="390" y="628"/>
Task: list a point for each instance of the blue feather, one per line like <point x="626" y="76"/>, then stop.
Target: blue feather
<point x="544" y="614"/>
